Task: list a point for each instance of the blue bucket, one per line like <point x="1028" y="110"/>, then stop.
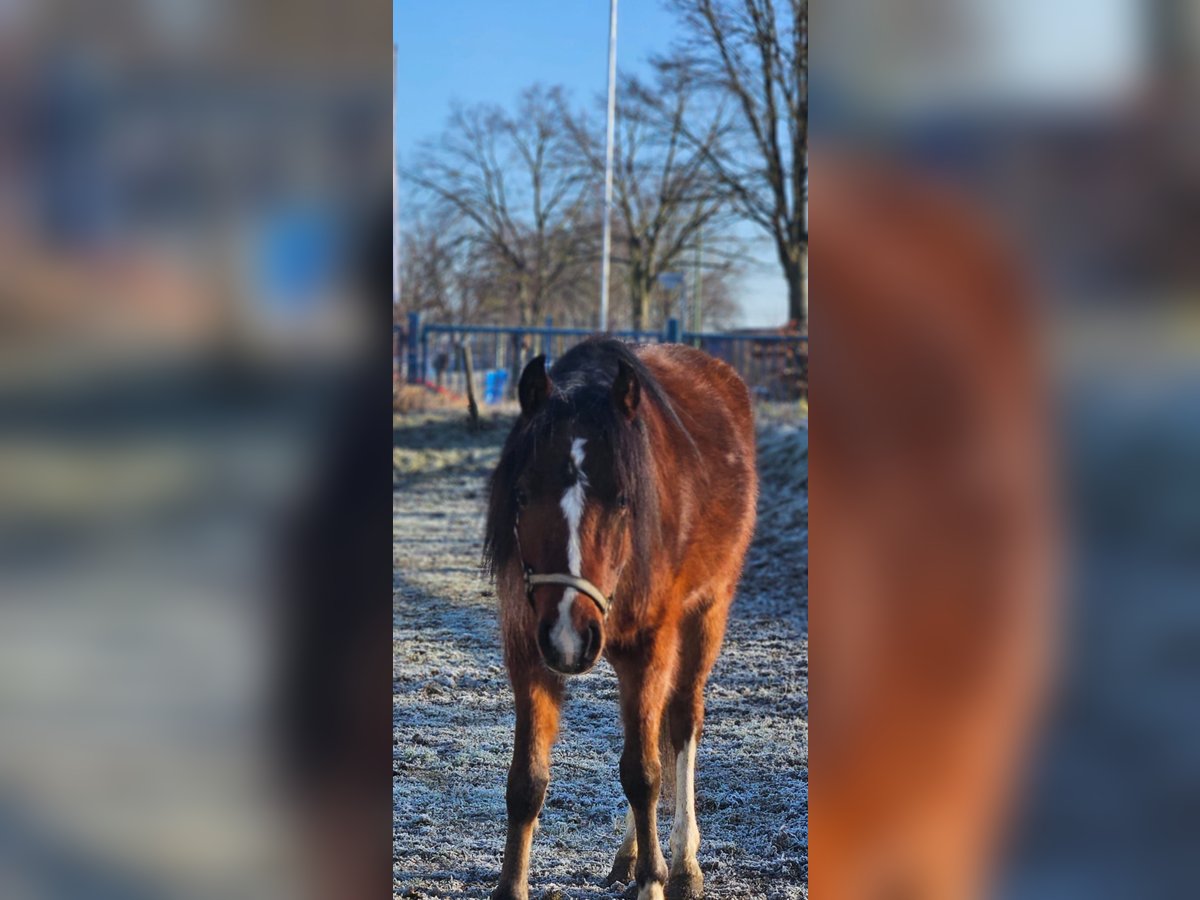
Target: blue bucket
<point x="495" y="382"/>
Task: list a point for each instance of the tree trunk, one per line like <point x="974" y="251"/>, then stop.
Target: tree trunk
<point x="536" y="305"/>
<point x="639" y="298"/>
<point x="469" y="369"/>
<point x="797" y="279"/>
<point x="524" y="316"/>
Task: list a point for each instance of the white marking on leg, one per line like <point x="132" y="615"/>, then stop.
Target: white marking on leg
<point x="629" y="842"/>
<point x="685" y="836"/>
<point x="563" y="634"/>
<point x="652" y="891"/>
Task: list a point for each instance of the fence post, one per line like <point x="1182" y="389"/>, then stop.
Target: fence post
<point x="472" y="407"/>
<point x="672" y="336"/>
<point x="414" y="327"/>
<point x="548" y="343"/>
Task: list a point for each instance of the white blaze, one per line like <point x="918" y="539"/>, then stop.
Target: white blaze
<point x="563" y="634"/>
<point x="572" y="507"/>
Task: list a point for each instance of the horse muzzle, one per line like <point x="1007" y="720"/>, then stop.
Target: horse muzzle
<point x="569" y="646"/>
<point x="571" y="654"/>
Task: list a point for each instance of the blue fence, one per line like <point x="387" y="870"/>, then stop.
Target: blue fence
<point x="775" y="366"/>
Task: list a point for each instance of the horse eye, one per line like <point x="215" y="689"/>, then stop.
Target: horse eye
<point x="622" y="501"/>
<point x="522" y="498"/>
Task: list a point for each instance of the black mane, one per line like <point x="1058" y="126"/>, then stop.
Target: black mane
<point x="582" y="382"/>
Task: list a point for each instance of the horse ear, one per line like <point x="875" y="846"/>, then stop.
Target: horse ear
<point x="627" y="390"/>
<point x="534" y="386"/>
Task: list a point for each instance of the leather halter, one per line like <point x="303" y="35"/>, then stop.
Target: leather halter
<point x="580" y="584"/>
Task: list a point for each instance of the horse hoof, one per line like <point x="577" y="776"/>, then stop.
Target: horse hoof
<point x="685" y="885"/>
<point x="622" y="870"/>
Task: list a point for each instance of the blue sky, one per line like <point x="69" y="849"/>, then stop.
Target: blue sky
<point x="477" y="51"/>
<point x="488" y="50"/>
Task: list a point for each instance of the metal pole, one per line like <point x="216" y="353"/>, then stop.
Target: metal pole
<point x="395" y="195"/>
<point x="698" y="293"/>
<point x="608" y="161"/>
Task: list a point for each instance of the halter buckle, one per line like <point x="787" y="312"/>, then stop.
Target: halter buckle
<point x="528" y="572"/>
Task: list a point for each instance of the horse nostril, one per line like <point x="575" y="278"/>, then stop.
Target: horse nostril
<point x="543" y="637"/>
<point x="593" y="641"/>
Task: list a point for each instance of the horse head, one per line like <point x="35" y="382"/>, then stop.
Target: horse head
<point x="569" y="489"/>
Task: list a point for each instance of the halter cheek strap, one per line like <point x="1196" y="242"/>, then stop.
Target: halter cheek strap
<point x="580" y="584"/>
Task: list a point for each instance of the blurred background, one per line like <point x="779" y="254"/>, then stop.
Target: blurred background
<point x="1068" y="133"/>
<point x="190" y="191"/>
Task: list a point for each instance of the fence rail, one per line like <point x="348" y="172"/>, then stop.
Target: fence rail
<point x="774" y="365"/>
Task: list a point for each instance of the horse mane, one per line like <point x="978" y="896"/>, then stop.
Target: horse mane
<point x="582" y="382"/>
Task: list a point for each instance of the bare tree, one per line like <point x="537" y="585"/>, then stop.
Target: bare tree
<point x="719" y="306"/>
<point x="428" y="270"/>
<point x="515" y="186"/>
<point x="757" y="55"/>
<point x="665" y="191"/>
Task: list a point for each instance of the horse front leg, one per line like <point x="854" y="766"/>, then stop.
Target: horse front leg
<point x="644" y="686"/>
<point x="700" y="641"/>
<point x="538" y="696"/>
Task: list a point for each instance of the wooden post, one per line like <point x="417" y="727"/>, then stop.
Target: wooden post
<point x="469" y="369"/>
<point x="415" y="374"/>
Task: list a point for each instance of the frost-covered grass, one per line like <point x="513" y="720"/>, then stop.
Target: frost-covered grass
<point x="453" y="719"/>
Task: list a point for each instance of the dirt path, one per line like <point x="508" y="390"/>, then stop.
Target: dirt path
<point x="453" y="715"/>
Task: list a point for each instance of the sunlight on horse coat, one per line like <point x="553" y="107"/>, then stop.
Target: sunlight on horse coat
<point x="631" y="473"/>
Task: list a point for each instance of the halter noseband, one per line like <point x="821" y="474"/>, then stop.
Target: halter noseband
<point x="580" y="584"/>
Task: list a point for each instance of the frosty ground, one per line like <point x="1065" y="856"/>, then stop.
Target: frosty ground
<point x="452" y="708"/>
